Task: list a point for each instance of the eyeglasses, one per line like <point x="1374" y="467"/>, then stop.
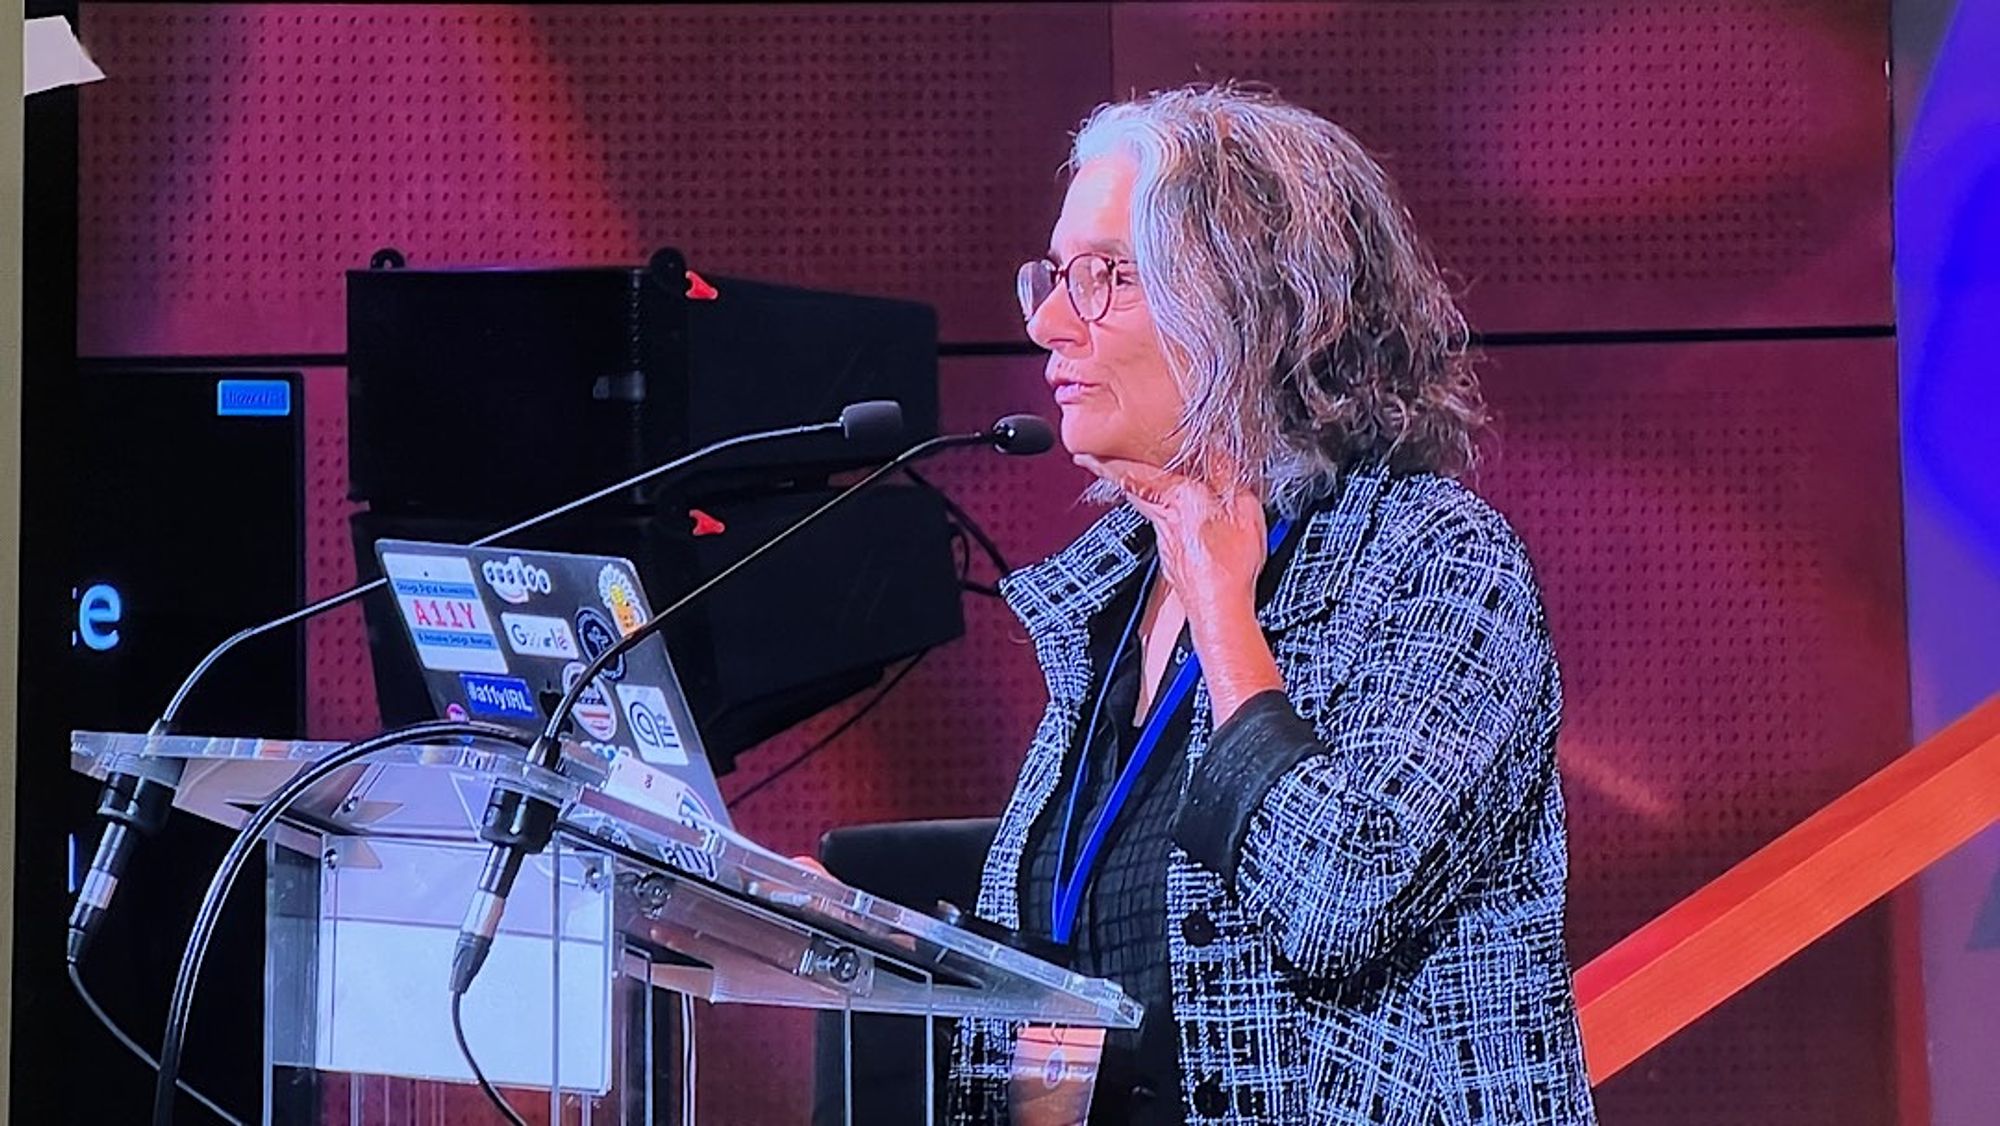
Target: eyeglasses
<point x="1089" y="278"/>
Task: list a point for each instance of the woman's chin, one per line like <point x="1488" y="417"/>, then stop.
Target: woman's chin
<point x="1085" y="432"/>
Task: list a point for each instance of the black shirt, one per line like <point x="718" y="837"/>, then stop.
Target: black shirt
<point x="1121" y="926"/>
<point x="1120" y="932"/>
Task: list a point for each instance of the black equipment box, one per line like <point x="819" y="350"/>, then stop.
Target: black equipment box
<point x="502" y="392"/>
<point x="478" y="397"/>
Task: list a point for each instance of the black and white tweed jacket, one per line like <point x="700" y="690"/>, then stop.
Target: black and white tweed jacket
<point x="1365" y="904"/>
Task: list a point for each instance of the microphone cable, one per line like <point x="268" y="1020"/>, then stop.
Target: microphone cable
<point x="486" y="1086"/>
<point x="131" y="1045"/>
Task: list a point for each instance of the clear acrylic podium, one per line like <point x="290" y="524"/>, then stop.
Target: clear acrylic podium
<point x="637" y="906"/>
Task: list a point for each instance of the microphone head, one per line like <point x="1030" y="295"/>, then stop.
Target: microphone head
<point x="1023" y="434"/>
<point x="875" y="421"/>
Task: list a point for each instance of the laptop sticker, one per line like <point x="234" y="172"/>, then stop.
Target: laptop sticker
<point x="536" y="635"/>
<point x="621" y="597"/>
<point x="442" y="609"/>
<point x="595" y="635"/>
<point x="594" y="712"/>
<point x="514" y="581"/>
<point x="652" y="725"/>
<point x="648" y="787"/>
<point x="500" y="697"/>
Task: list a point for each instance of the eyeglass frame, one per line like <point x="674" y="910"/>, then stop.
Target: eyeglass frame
<point x="1062" y="275"/>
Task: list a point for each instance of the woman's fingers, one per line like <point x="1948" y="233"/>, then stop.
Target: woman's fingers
<point x="1247" y="508"/>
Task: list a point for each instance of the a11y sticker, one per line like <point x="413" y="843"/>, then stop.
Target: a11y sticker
<point x="442" y="609"/>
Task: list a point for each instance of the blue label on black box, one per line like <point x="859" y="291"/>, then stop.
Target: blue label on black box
<point x="253" y="398"/>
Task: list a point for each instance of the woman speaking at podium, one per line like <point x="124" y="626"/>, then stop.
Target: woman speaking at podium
<point x="1295" y="789"/>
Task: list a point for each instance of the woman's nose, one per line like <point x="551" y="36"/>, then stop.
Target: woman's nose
<point x="1054" y="323"/>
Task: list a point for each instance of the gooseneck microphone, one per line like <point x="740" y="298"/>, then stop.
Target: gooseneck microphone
<point x="134" y="805"/>
<point x="517" y="825"/>
<point x="1022" y="434"/>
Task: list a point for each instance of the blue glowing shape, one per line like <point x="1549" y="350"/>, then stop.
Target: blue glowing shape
<point x="97" y="615"/>
<point x="253" y="398"/>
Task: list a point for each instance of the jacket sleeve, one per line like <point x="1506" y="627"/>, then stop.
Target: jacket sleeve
<point x="1346" y="844"/>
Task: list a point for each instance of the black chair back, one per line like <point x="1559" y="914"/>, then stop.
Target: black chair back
<point x="916" y="864"/>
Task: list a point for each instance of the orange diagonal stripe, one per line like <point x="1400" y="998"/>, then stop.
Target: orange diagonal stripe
<point x="1797" y="888"/>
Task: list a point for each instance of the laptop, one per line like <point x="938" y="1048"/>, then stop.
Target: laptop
<point x="502" y="633"/>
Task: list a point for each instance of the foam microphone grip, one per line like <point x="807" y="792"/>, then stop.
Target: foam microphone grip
<point x="1023" y="435"/>
<point x="877" y="420"/>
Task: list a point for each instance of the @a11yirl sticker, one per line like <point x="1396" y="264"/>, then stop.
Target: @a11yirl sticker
<point x="441" y="607"/>
<point x="500" y="697"/>
<point x="594" y="710"/>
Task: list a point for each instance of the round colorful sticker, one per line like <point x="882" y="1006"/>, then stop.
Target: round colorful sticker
<point x="621" y="597"/>
<point x="594" y="710"/>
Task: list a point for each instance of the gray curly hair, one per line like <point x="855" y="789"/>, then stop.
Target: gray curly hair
<point x="1307" y="323"/>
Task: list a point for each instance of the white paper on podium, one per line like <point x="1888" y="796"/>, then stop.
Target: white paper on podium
<point x="386" y="934"/>
<point x="53" y="57"/>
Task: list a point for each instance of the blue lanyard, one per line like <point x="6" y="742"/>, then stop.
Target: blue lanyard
<point x="1069" y="891"/>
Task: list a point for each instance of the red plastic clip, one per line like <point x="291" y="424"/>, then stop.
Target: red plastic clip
<point x="706" y="525"/>
<point x="699" y="290"/>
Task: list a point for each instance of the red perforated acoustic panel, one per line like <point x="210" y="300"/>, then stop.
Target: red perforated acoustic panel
<point x="340" y="682"/>
<point x="1599" y="165"/>
<point x="1716" y="532"/>
<point x="1607" y="165"/>
<point x="240" y="158"/>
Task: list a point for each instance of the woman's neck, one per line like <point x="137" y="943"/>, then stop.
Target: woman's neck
<point x="1159" y="631"/>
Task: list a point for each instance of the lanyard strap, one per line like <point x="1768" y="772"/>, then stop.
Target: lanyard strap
<point x="1070" y="889"/>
